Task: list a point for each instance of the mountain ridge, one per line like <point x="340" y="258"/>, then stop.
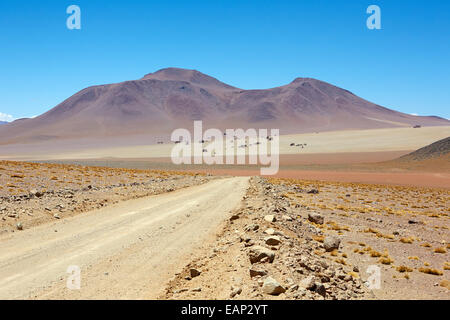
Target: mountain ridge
<point x="171" y="98"/>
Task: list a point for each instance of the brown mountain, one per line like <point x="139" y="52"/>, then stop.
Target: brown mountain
<point x="172" y="98"/>
<point x="437" y="149"/>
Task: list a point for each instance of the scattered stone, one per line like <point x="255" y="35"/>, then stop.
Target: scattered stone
<point x="249" y="243"/>
<point x="270" y="231"/>
<point x="56" y="216"/>
<point x="293" y="287"/>
<point x="252" y="227"/>
<point x="36" y="193"/>
<point x="235" y="291"/>
<point x="194" y="272"/>
<point x="245" y="239"/>
<point x="320" y="289"/>
<point x="270" y="218"/>
<point x="19" y="226"/>
<point x="197" y="289"/>
<point x="308" y="283"/>
<point x="255" y="273"/>
<point x="272" y="287"/>
<point x="331" y="243"/>
<point x="273" y="240"/>
<point x="260" y="282"/>
<point x="324" y="278"/>
<point x="234" y="217"/>
<point x="313" y="191"/>
<point x="180" y="291"/>
<point x="258" y="253"/>
<point x="315" y="217"/>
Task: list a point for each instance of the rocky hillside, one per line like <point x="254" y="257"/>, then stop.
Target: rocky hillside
<point x="435" y="150"/>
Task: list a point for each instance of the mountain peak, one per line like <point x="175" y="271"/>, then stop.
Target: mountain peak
<point x="301" y="79"/>
<point x="172" y="72"/>
<point x="193" y="76"/>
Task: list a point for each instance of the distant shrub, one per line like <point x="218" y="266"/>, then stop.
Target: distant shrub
<point x="440" y="250"/>
<point x="404" y="269"/>
<point x="431" y="271"/>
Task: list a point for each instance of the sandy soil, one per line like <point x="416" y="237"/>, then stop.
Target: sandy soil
<point x="375" y="140"/>
<point x="419" y="179"/>
<point x="126" y="251"/>
<point x="348" y="141"/>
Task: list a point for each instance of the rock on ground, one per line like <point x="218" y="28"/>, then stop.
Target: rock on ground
<point x="271" y="286"/>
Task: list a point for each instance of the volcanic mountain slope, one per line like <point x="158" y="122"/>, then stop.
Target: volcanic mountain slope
<point x="431" y="158"/>
<point x="438" y="149"/>
<point x="172" y="98"/>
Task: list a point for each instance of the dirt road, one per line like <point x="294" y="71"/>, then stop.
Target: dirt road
<point x="126" y="251"/>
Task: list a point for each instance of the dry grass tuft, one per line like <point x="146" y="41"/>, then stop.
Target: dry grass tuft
<point x="319" y="238"/>
<point x="404" y="269"/>
<point x="445" y="284"/>
<point x="407" y="240"/>
<point x="432" y="271"/>
<point x="386" y="260"/>
<point x="440" y="250"/>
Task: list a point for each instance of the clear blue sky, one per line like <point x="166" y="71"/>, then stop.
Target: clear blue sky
<point x="248" y="44"/>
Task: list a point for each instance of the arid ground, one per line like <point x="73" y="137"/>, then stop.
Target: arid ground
<point x="141" y="234"/>
<point x="343" y="206"/>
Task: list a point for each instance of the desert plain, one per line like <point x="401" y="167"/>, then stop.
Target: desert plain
<point x="139" y="227"/>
